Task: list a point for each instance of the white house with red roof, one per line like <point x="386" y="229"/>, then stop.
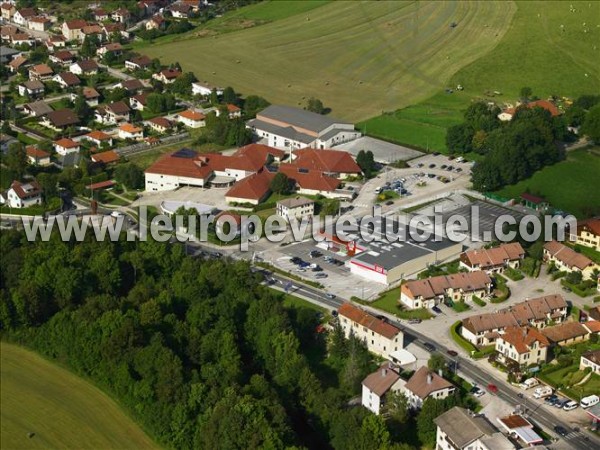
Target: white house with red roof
<point x="380" y="337"/>
<point x="376" y="386"/>
<point x="333" y="163"/>
<point x="22" y="195"/>
<point x="191" y="118"/>
<point x="253" y="189"/>
<point x="65" y="146"/>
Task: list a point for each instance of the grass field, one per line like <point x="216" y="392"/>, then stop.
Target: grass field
<point x="570" y="185"/>
<point x="359" y="58"/>
<point x="534" y="52"/>
<point x="62" y="410"/>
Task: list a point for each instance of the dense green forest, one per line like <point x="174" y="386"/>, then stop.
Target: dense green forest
<point x="198" y="352"/>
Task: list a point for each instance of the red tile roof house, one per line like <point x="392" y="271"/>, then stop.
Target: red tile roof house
<point x="192" y="119"/>
<point x="534" y="202"/>
<point x="493" y="260"/>
<point x="99" y="138"/>
<point x="67" y="80"/>
<point x="73" y="29"/>
<point x="41" y="72"/>
<point x="427" y="293"/>
<point x="253" y="189"/>
<point x="167" y="76"/>
<point x="37" y="157"/>
<point x="91" y="95"/>
<point x="311" y="182"/>
<point x="568" y="260"/>
<point x="160" y="124"/>
<point x="138" y="101"/>
<point x="130" y="131"/>
<point x="84" y="67"/>
<point x="509" y="113"/>
<point x="112" y="113"/>
<point x="138" y="63"/>
<point x="424" y="384"/>
<point x="483" y="329"/>
<point x="32" y="88"/>
<point x="62" y="57"/>
<point x="522" y="345"/>
<point x="376" y="386"/>
<point x="588" y="233"/>
<point x="380" y="337"/>
<point x="112" y="47"/>
<point x="65" y="146"/>
<point x="22" y="195"/>
<point x="106" y="157"/>
<point x="333" y="163"/>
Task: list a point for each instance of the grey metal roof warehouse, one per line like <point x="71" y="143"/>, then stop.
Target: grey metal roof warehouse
<point x="299" y="117"/>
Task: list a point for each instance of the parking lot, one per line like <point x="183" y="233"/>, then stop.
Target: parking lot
<point x="213" y="197"/>
<point x="339" y="280"/>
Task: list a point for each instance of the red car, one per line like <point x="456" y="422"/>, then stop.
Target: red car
<point x="492" y="388"/>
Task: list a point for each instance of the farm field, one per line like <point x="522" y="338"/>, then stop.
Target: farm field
<point x="578" y="191"/>
<point x="359" y="58"/>
<point x="62" y="410"/>
<point x="534" y="52"/>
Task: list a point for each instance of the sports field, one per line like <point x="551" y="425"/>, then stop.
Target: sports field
<point x="62" y="410"/>
<point x="535" y="52"/>
<point x="570" y="185"/>
<point x="359" y="58"/>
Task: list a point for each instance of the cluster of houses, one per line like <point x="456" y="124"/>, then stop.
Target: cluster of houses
<point x="565" y="259"/>
<point x="524" y="332"/>
<point x="464" y="286"/>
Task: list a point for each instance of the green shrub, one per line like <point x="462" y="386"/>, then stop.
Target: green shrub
<point x="461" y="341"/>
<point x="478" y="301"/>
<point x="513" y="274"/>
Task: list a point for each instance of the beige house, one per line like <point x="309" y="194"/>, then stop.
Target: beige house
<point x="377" y="385"/>
<point x="571" y="332"/>
<point x="525" y="346"/>
<point x="484" y="329"/>
<point x="432" y="291"/>
<point x="588" y="233"/>
<point x="72" y="30"/>
<point x="380" y="337"/>
<point x="425" y="384"/>
<point x="493" y="260"/>
<point x="568" y="260"/>
<point x="297" y="207"/>
<point x="591" y="360"/>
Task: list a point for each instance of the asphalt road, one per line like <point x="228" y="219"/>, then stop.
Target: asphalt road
<point x="576" y="440"/>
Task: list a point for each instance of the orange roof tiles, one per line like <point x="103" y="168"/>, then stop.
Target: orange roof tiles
<point x="523" y="338"/>
<point x="333" y="161"/>
<point x="365" y="319"/>
<point x="192" y="115"/>
<point x="254" y="187"/>
<point x="106" y="157"/>
<point x="67" y="143"/>
<point x="567" y="255"/>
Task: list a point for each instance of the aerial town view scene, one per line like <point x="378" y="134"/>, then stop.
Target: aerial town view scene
<point x="300" y="224"/>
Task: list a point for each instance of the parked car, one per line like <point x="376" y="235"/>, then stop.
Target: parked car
<point x="570" y="405"/>
<point x="477" y="392"/>
<point x="431" y="175"/>
<point x="429" y="347"/>
<point x="435" y="153"/>
<point x="562" y="403"/>
<point x="443" y="166"/>
<point x="492" y="388"/>
<point x="321" y="275"/>
<point x="389" y="202"/>
<point x="413" y="321"/>
<point x="566" y="289"/>
<point x="452" y="353"/>
<point x="330" y="296"/>
<point x="431" y="166"/>
<point x="562" y="431"/>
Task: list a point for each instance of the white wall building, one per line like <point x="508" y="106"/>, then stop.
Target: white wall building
<point x="377" y="385"/>
<point x="22" y="195"/>
<point x="380" y="337"/>
<point x="298" y="208"/>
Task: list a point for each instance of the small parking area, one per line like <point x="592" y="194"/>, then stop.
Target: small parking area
<point x="339" y="280"/>
<point x="442" y="162"/>
<point x="213" y="197"/>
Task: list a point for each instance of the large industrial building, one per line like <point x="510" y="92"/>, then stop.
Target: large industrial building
<point x="292" y="128"/>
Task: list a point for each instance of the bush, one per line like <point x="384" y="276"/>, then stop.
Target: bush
<point x="478" y="301"/>
<point x="513" y="274"/>
<point x="460" y="306"/>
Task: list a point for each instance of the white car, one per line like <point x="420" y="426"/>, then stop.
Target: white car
<point x="570" y="406"/>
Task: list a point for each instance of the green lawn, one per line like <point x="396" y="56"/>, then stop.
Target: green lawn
<point x="570" y="185"/>
<point x="594" y="255"/>
<point x="389" y="302"/>
<point x="62" y="410"/>
<point x="534" y="52"/>
<point x="291" y="301"/>
<point x="359" y="58"/>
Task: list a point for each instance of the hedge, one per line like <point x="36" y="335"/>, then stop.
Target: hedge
<point x="478" y="301"/>
<point x="577" y="290"/>
<point x="461" y="341"/>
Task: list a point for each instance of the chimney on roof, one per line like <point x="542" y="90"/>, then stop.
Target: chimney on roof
<point x="383" y="372"/>
<point x="441" y="373"/>
<point x="429" y="378"/>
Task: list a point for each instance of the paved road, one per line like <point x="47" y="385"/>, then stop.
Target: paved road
<point x="576" y="440"/>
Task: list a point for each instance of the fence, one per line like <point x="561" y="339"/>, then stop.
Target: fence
<point x="143" y="146"/>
